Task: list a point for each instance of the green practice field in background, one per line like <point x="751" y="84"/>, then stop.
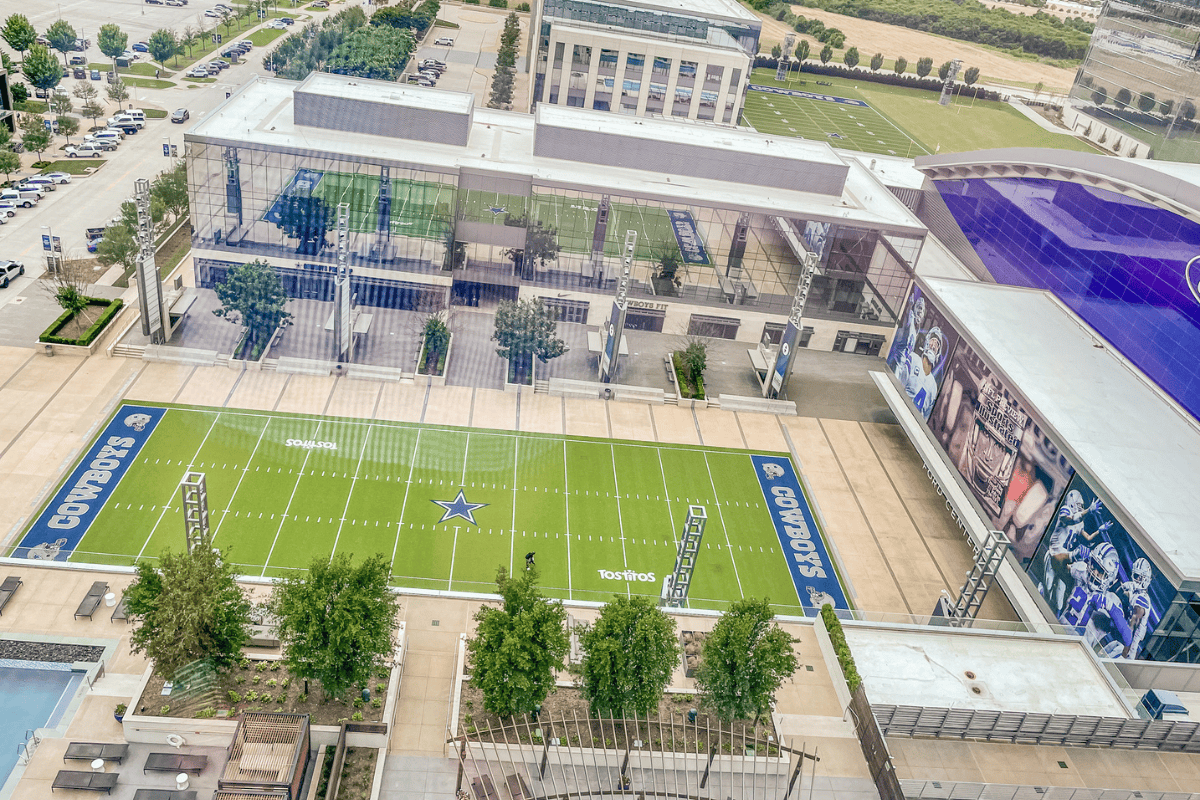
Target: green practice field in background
<point x="419" y="208"/>
<point x="962" y="126"/>
<point x="586" y="507"/>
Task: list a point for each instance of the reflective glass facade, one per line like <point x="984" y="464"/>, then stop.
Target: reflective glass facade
<point x="1140" y="75"/>
<point x="1119" y="263"/>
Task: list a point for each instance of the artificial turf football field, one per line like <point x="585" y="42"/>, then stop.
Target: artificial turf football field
<point x="602" y="516"/>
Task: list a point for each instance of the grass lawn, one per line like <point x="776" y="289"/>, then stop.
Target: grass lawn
<point x="144" y="68"/>
<point x="262" y="38"/>
<point x="201" y="80"/>
<point x="446" y="505"/>
<point x="915" y="113"/>
<point x="74" y="166"/>
<point x="154" y="113"/>
<point x="147" y="83"/>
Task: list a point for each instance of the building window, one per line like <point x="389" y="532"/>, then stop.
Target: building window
<point x="773" y="332"/>
<point x="863" y="344"/>
<point x="608" y="59"/>
<point x="735" y="80"/>
<point x="713" y="74"/>
<point x="687" y="69"/>
<point x="662" y="67"/>
<point x="581" y="56"/>
<point x="635" y="61"/>
<point x="645" y="319"/>
<point x="567" y="310"/>
<point x="559" y="48"/>
<point x="714" y="327"/>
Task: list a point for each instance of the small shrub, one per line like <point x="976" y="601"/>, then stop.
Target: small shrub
<point x="165" y="710"/>
<point x="272" y="683"/>
<point x="522" y="6"/>
<point x="285" y="683"/>
<point x="256" y="679"/>
<point x="262" y="667"/>
<point x="498" y="3"/>
<point x="206" y="713"/>
<point x="358" y="702"/>
<point x="274" y="666"/>
<point x="234" y="697"/>
<point x="303" y="698"/>
<point x="357" y="716"/>
<point x="471" y="2"/>
<point x="382" y="673"/>
<point x="265" y="697"/>
<point x="240" y="679"/>
<point x="381" y="688"/>
<point x="251" y="696"/>
<point x="244" y="663"/>
<point x="377" y="702"/>
<point x="281" y="698"/>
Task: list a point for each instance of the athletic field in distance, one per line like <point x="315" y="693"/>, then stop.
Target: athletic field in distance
<point x="446" y="505"/>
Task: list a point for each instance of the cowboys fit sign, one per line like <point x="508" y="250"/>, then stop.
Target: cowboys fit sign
<point x="74" y="507"/>
<point x="808" y="559"/>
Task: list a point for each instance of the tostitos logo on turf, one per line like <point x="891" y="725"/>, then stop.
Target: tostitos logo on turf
<point x="626" y="575"/>
<point x="309" y="444"/>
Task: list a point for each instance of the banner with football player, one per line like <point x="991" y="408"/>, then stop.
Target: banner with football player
<point x="1097" y="579"/>
<point x="920" y="350"/>
<point x="1001" y="449"/>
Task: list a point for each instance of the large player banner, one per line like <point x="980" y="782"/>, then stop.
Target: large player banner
<point x="74" y="507"/>
<point x="1096" y="578"/>
<point x="920" y="350"/>
<point x="808" y="558"/>
<point x="1001" y="448"/>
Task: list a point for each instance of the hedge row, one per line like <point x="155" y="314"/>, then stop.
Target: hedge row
<point x="91" y="333"/>
<point x="889" y="78"/>
<point x="838" y="637"/>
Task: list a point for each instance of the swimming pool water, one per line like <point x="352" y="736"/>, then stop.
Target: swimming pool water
<point x="30" y="699"/>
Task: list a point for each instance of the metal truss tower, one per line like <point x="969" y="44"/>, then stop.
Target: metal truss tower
<point x="676" y="585"/>
<point x="194" y="491"/>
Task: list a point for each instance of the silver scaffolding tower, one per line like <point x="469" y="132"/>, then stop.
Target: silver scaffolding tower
<point x="194" y="492"/>
<point x="676" y="585"/>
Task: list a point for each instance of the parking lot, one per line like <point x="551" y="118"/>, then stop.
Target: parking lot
<point x="471" y="59"/>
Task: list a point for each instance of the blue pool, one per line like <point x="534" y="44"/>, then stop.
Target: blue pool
<point x="31" y="698"/>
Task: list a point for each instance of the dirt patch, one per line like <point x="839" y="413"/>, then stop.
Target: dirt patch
<point x="267" y="686"/>
<point x="358" y="771"/>
<point x="564" y="715"/>
<point x="891" y="40"/>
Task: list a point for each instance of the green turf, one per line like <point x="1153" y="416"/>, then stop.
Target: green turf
<point x="583" y="505"/>
<point x="419" y="208"/>
<point x="575" y="219"/>
<point x="903" y="121"/>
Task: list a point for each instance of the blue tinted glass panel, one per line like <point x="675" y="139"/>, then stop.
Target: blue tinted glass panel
<point x="1117" y="262"/>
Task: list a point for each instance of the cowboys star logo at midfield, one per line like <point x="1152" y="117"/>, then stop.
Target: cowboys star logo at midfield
<point x="459" y="507"/>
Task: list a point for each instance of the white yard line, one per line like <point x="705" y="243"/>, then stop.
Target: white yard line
<point x="462" y="484"/>
<point x="567" y="516"/>
<point x="620" y="524"/>
<point x="286" y="508"/>
<point x="725" y="530"/>
<point x="412" y="463"/>
<point x="167" y="504"/>
<point x="667" y="494"/>
<point x="354" y="480"/>
<point x="512" y="541"/>
<point x="249" y="461"/>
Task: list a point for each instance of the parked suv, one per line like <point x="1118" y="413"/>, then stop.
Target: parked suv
<point x="10" y="270"/>
<point x="39" y="182"/>
<point x="88" y="150"/>
<point x="26" y="198"/>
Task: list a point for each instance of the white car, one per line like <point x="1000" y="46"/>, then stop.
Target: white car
<point x="10" y="270"/>
<point x="276" y="25"/>
<point x="445" y="41"/>
<point x="197" y="72"/>
<point x="58" y="177"/>
<point x="212" y="12"/>
<point x="8" y="208"/>
<point x="126" y="119"/>
<point x="105" y="136"/>
<point x="87" y="149"/>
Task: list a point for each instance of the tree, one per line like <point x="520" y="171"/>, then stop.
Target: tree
<point x="69" y="286"/>
<point x="667" y="261"/>
<point x="1166" y="107"/>
<point x="61" y="104"/>
<point x="518" y="647"/>
<point x="252" y="295"/>
<point x="307" y="219"/>
<point x="336" y="622"/>
<point x="1100" y="96"/>
<point x="541" y="246"/>
<point x="62" y="37"/>
<point x="900" y="65"/>
<point x="502" y="87"/>
<point x="189" y="37"/>
<point x="188" y="608"/>
<point x="162" y="46"/>
<point x="743" y="662"/>
<point x="776" y="51"/>
<point x="67" y="127"/>
<point x="943" y="70"/>
<point x="876" y="62"/>
<point x="1037" y="89"/>
<point x="693" y="359"/>
<point x="802" y="50"/>
<point x="20" y="92"/>
<point x="628" y="657"/>
<point x="850" y="57"/>
<point x="117" y="92"/>
<point x="35" y="135"/>
<point x="19" y="32"/>
<point x="1146" y="102"/>
<point x="437" y="338"/>
<point x="112" y="41"/>
<point x="971" y="75"/>
<point x="41" y="68"/>
<point x="526" y="328"/>
<point x="826" y="53"/>
<point x="88" y="94"/>
<point x="1124" y="96"/>
<point x="10" y="162"/>
<point x="170" y="188"/>
<point x="118" y="247"/>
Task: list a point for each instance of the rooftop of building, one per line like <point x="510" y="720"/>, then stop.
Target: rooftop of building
<point x="1117" y="427"/>
<point x="709" y="9"/>
<point x="716" y="38"/>
<point x="261" y="113"/>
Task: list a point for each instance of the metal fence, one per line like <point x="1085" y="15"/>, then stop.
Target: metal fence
<point x="1017" y="727"/>
<point x="945" y="790"/>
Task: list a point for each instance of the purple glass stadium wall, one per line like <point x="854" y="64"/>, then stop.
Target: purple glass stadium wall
<point x="1116" y="262"/>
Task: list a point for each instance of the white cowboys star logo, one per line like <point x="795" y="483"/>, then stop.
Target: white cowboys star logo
<point x="459" y="507"/>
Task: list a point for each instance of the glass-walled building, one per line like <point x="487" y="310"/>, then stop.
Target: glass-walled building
<point x="449" y="204"/>
<point x="1138" y="88"/>
<point x="657" y="58"/>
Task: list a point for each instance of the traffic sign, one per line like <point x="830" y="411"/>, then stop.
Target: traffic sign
<point x="166" y="150"/>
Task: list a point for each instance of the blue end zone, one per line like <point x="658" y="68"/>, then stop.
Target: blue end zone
<point x="808" y="559"/>
<point x="302" y="183"/>
<point x="828" y="98"/>
<point x="67" y="517"/>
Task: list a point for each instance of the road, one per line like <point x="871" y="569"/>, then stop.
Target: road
<point x="90" y="201"/>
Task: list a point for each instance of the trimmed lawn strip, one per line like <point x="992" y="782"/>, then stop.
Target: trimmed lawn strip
<point x="75" y="166"/>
